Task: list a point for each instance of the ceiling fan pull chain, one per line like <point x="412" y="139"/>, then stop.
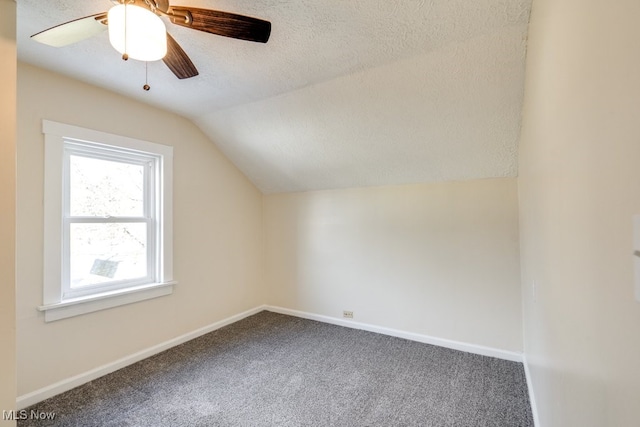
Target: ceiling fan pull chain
<point x="146" y="86"/>
<point x="125" y="55"/>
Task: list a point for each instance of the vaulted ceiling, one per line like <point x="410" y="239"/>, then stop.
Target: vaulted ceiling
<point x="344" y="94"/>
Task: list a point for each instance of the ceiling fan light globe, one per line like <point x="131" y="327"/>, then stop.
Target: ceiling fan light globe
<point x="137" y="32"/>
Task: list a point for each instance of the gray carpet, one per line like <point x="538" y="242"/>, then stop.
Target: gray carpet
<point x="276" y="370"/>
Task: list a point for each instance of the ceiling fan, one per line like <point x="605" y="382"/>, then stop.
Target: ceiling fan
<point x="207" y="20"/>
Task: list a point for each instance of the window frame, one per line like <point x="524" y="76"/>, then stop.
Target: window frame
<point x="61" y="141"/>
<point x="100" y="152"/>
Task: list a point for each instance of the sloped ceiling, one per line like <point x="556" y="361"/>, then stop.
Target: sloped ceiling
<point x="344" y="94"/>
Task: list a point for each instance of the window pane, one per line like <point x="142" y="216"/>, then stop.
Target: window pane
<point x="102" y="187"/>
<point x="107" y="252"/>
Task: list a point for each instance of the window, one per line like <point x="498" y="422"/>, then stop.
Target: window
<point x="107" y="220"/>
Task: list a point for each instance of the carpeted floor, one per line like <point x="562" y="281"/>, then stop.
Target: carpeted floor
<point x="276" y="370"/>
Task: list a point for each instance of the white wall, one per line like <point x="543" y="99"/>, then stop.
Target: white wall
<point x="217" y="234"/>
<point x="434" y="259"/>
<point x="579" y="187"/>
<point x="8" y="211"/>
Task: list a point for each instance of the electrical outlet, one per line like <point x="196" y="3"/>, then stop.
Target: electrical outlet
<point x="347" y="314"/>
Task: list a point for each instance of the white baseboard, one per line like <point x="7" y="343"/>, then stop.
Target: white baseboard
<point x="455" y="345"/>
<point x="36" y="396"/>
<point x="532" y="396"/>
<point x="75" y="381"/>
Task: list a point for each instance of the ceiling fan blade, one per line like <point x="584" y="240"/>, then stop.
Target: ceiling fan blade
<point x="178" y="61"/>
<point x="73" y="31"/>
<point x="223" y="23"/>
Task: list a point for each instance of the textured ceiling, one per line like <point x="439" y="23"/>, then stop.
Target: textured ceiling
<point x="344" y="94"/>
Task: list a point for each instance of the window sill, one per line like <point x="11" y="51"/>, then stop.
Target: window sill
<point x="77" y="306"/>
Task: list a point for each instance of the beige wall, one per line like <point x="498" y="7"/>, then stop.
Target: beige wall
<point x="217" y="234"/>
<point x="579" y="187"/>
<point x="7" y="213"/>
<point x="435" y="259"/>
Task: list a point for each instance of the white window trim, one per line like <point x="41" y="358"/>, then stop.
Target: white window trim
<point x="54" y="306"/>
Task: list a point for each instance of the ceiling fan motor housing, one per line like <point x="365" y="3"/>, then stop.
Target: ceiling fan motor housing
<point x="162" y="5"/>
